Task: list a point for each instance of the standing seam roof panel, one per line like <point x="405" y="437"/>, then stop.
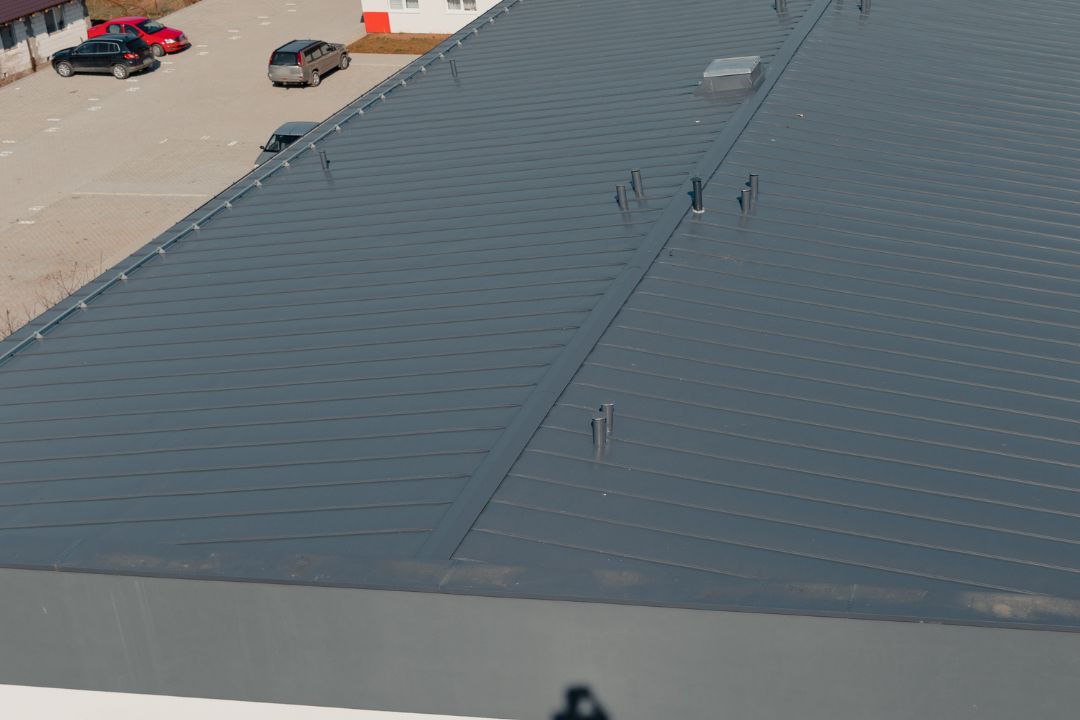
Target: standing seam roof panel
<point x="320" y="367"/>
<point x="868" y="382"/>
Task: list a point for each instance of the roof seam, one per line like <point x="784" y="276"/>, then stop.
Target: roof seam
<point x="444" y="540"/>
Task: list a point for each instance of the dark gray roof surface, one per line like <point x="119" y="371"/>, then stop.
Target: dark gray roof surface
<point x="326" y="362"/>
<point x="872" y="378"/>
<point x="856" y="397"/>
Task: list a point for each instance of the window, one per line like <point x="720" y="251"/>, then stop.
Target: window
<point x="7" y="37"/>
<point x="469" y="5"/>
<point x="54" y="20"/>
<point x="404" y="4"/>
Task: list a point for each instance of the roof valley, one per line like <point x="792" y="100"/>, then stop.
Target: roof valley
<point x="445" y="538"/>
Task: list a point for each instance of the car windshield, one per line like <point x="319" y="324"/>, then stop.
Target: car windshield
<point x="282" y="57"/>
<point x="277" y="143"/>
<point x="150" y="27"/>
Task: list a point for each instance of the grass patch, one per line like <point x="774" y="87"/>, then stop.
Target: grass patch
<point x="396" y="43"/>
<point x="108" y="9"/>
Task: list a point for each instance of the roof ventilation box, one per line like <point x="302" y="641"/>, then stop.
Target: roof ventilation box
<point x="726" y="75"/>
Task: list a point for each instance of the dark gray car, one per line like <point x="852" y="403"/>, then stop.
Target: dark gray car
<point x="282" y="138"/>
<point x="305" y="62"/>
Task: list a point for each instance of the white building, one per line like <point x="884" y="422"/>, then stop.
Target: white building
<point x="422" y="16"/>
<point x="32" y="30"/>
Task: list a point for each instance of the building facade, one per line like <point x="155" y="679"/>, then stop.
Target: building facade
<point x="422" y="16"/>
<point x="30" y="32"/>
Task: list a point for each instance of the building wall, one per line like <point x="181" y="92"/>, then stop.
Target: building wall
<point x="507" y="657"/>
<point x="431" y="16"/>
<point x="35" y="45"/>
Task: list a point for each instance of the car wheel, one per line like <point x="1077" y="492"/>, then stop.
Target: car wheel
<point x="344" y="62"/>
<point x="120" y="72"/>
<point x="64" y="69"/>
<point x="315" y="79"/>
<point x="157" y="50"/>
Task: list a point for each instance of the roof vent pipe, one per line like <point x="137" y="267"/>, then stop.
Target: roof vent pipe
<point x="620" y="197"/>
<point x="453" y="66"/>
<point x="745" y="199"/>
<point x="753" y="186"/>
<point x="639" y="187"/>
<point x="864" y="6"/>
<point x="780" y="6"/>
<point x="599" y="432"/>
<point x="609" y="417"/>
<point x="697" y="196"/>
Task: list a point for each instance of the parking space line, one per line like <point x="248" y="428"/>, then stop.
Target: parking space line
<point x="136" y="194"/>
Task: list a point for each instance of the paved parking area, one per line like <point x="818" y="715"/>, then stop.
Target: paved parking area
<point x="92" y="167"/>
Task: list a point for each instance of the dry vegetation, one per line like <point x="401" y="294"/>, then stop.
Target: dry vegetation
<point x="396" y="43"/>
<point x="106" y="9"/>
<point x="54" y="287"/>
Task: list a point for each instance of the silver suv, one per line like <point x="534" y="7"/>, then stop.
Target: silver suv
<point x="305" y="62"/>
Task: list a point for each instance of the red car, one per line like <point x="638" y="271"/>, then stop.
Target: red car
<point x="161" y="39"/>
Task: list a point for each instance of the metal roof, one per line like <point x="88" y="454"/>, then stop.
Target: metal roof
<point x="870" y="379"/>
<point x="15" y="9"/>
<point x="855" y="397"/>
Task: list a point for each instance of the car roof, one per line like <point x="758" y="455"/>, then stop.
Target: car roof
<point x="295" y="127"/>
<point x="118" y="37"/>
<point x="127" y="19"/>
<point x="297" y="45"/>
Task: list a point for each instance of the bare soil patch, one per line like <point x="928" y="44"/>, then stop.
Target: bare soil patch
<point x="108" y="9"/>
<point x="396" y="43"/>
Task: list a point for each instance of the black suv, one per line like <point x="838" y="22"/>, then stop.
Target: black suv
<point x="120" y="55"/>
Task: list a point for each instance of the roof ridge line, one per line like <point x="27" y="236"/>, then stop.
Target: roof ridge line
<point x="448" y="535"/>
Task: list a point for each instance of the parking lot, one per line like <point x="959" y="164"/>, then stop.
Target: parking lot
<point x="92" y="167"/>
